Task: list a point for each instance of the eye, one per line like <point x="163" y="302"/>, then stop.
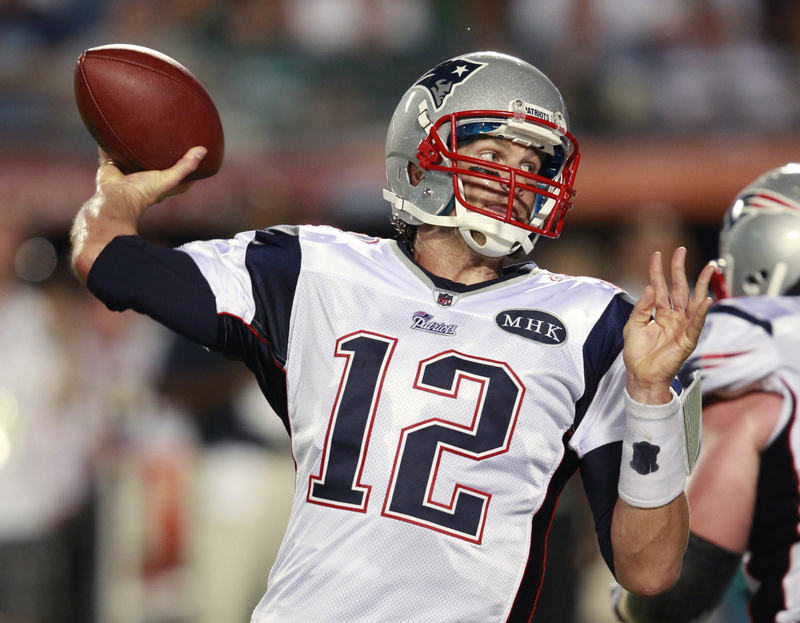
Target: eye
<point x="490" y="156"/>
<point x="532" y="165"/>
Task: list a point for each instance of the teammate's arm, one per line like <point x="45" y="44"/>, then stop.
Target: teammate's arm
<point x="721" y="492"/>
<point x="119" y="202"/>
<point x="722" y="489"/>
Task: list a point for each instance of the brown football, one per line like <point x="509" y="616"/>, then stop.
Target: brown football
<point x="146" y="110"/>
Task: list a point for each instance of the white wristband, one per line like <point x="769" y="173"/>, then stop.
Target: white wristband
<point x="652" y="472"/>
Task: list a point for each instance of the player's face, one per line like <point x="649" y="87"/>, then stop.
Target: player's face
<point x="493" y="195"/>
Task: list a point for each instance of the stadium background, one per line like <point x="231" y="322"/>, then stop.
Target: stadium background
<point x="676" y="104"/>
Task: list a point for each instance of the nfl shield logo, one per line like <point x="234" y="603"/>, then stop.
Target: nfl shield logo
<point x="445" y="299"/>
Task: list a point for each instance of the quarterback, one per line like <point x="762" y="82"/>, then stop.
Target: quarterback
<point x="437" y="396"/>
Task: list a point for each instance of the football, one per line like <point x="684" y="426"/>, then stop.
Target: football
<point x="146" y="110"/>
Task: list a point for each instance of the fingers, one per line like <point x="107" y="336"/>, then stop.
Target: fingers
<point x="700" y="302"/>
<point x="679" y="299"/>
<point x="107" y="170"/>
<point x="680" y="286"/>
<point x="704" y="281"/>
<point x="658" y="282"/>
<point x="153" y="186"/>
<point x="186" y="165"/>
<point x="698" y="320"/>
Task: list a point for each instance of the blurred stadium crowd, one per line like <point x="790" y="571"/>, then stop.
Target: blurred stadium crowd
<point x="313" y="82"/>
<point x="132" y="466"/>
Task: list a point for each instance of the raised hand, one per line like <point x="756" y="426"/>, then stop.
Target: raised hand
<point x="141" y="190"/>
<point x="663" y="329"/>
<point x="120" y="201"/>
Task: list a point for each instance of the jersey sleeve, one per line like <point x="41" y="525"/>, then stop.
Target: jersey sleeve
<point x="163" y="283"/>
<point x="731" y="367"/>
<point x="253" y="278"/>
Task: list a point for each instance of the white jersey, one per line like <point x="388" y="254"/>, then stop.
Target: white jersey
<point x="432" y="424"/>
<point x="753" y="343"/>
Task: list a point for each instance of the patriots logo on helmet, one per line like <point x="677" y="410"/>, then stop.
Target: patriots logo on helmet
<point x="445" y="77"/>
<point x="763" y="201"/>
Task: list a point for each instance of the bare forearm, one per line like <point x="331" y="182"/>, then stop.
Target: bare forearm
<point x="706" y="573"/>
<point x="649" y="544"/>
<point x="94" y="227"/>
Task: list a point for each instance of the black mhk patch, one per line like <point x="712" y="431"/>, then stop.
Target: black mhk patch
<point x="644" y="457"/>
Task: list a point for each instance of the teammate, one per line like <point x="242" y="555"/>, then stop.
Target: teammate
<point x="744" y="492"/>
<point x="437" y="401"/>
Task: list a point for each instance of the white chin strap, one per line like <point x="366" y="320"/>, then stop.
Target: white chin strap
<point x="500" y="239"/>
<point x="778" y="277"/>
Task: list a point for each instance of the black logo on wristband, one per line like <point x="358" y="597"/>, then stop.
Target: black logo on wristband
<point x="644" y="457"/>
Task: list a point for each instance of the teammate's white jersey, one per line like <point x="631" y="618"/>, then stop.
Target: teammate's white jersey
<point x="433" y="425"/>
<point x="754" y="343"/>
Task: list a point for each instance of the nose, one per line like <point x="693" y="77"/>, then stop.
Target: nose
<point x="505" y="183"/>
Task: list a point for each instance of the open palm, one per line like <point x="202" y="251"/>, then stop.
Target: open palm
<point x="663" y="330"/>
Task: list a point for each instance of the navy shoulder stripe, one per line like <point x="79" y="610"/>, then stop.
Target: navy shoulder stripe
<point x="735" y="311"/>
<point x="602" y="347"/>
<point x="273" y="261"/>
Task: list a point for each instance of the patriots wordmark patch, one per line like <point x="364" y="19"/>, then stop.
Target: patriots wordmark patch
<point x="644" y="457"/>
<point x="445" y="77"/>
<point x="533" y="324"/>
<point x="423" y="321"/>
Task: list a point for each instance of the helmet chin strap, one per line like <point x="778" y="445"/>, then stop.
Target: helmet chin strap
<point x="500" y="239"/>
<point x="775" y="286"/>
<point x="494" y="245"/>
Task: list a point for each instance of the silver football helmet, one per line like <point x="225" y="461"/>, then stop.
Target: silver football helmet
<point x="760" y="238"/>
<point x="477" y="94"/>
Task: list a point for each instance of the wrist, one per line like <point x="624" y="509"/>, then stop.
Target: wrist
<point x="652" y="469"/>
<point x="648" y="393"/>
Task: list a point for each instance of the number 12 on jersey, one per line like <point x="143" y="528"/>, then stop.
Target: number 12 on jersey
<point x="420" y="447"/>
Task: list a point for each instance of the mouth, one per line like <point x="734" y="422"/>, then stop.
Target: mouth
<point x="517" y="214"/>
<point x="486" y="197"/>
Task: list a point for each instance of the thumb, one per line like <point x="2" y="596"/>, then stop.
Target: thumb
<point x="171" y="181"/>
<point x="186" y="165"/>
<point x="643" y="309"/>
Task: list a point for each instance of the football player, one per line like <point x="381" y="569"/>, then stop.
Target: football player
<point x="744" y="493"/>
<point x="437" y="400"/>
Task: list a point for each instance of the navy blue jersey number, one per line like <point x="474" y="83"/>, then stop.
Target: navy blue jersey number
<point x="346" y="445"/>
<point x="421" y="447"/>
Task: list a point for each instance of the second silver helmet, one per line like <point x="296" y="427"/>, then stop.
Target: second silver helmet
<point x="760" y="237"/>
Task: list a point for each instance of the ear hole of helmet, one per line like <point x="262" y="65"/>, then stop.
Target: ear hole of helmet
<point x="756" y="280"/>
<point x="415" y="174"/>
